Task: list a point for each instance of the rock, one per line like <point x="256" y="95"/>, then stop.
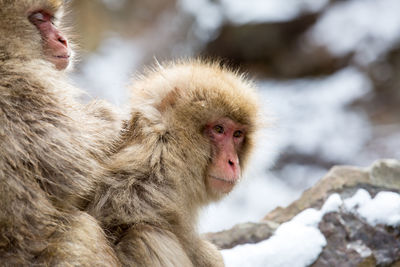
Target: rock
<point x="383" y="107"/>
<point x="350" y="240"/>
<point x="246" y="233"/>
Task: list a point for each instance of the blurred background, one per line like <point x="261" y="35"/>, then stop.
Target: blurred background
<point x="328" y="72"/>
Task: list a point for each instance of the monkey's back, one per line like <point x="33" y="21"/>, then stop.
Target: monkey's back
<point x="50" y="151"/>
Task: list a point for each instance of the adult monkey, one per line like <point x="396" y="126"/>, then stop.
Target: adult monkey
<point x="50" y="145"/>
<point x="190" y="133"/>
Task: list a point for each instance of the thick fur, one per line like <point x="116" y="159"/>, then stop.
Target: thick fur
<point x="51" y="149"/>
<point x="158" y="176"/>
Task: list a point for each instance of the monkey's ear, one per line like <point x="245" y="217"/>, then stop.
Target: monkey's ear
<point x="169" y="100"/>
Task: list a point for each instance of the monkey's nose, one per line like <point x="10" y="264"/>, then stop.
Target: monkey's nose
<point x="233" y="162"/>
<point x="62" y="40"/>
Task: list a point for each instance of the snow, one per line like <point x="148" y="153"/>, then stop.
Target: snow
<point x="360" y="248"/>
<point x="362" y="196"/>
<point x="295" y="243"/>
<point x="299" y="242"/>
<point x="345" y="27"/>
<point x="383" y="209"/>
<point x="206" y="13"/>
<point x="239" y="11"/>
<point x="369" y="27"/>
<point x="250" y="11"/>
<point x="285" y="248"/>
<point x="210" y="15"/>
<point x="309" y="113"/>
<point x="332" y="204"/>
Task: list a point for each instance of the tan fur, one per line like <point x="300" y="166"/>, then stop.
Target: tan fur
<point x="51" y="148"/>
<point x="157" y="178"/>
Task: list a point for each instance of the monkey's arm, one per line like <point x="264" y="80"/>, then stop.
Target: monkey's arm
<point x="81" y="243"/>
<point x="201" y="252"/>
<point x="206" y="254"/>
<point x="146" y="245"/>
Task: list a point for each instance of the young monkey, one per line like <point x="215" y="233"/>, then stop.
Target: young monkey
<point x="185" y="145"/>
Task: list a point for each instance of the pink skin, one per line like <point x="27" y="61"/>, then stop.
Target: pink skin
<point x="227" y="137"/>
<point x="55" y="45"/>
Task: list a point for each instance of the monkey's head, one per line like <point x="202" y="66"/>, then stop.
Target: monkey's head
<point x="30" y="31"/>
<point x="206" y="112"/>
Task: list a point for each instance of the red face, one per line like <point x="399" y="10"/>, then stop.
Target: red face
<point x="227" y="137"/>
<point x="55" y="46"/>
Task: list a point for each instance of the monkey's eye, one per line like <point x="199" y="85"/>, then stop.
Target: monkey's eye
<point x="237" y="134"/>
<point x="218" y="129"/>
<point x="40" y="17"/>
<point x="37" y="17"/>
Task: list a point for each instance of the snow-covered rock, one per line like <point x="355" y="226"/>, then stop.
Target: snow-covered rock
<point x="350" y="218"/>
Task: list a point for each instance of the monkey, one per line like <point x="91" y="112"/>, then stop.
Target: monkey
<point x="189" y="136"/>
<point x="51" y="146"/>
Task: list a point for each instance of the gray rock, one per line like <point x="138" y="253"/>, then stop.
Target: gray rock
<point x="353" y="242"/>
<point x="245" y="233"/>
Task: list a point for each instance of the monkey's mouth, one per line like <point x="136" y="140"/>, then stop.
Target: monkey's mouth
<point x="62" y="56"/>
<point x="224" y="180"/>
<point x="60" y="61"/>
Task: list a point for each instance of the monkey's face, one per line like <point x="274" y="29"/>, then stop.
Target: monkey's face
<point x="227" y="138"/>
<point x="55" y="45"/>
<point x="31" y="31"/>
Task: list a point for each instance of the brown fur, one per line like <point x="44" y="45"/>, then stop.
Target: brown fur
<point x="157" y="179"/>
<point x="51" y="148"/>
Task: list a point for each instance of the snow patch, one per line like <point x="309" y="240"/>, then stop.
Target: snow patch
<point x="332" y="204"/>
<point x="383" y="209"/>
<point x="299" y="242"/>
<point x="285" y="248"/>
<point x="353" y="203"/>
<point x="295" y="243"/>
